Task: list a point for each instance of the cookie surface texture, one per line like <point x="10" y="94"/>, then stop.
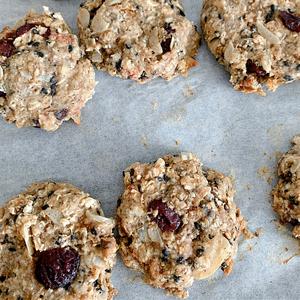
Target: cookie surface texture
<point x="257" y="41"/>
<point x="138" y="39"/>
<point x="44" y="79"/>
<point x="177" y="222"/>
<point x="286" y="194"/>
<point x="55" y="243"/>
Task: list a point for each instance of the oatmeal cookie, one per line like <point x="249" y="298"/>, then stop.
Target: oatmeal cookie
<point x="257" y="41"/>
<point x="286" y="194"/>
<point x="55" y="243"/>
<point x="138" y="39"/>
<point x="44" y="79"/>
<point x="177" y="222"/>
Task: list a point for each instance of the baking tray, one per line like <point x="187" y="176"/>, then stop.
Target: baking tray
<point x="241" y="135"/>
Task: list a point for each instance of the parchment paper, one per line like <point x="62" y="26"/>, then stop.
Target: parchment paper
<point x="126" y="122"/>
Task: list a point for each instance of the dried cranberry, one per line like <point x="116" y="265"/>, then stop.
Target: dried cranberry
<point x="47" y="33"/>
<point x="166" y="219"/>
<point x="7" y="48"/>
<point x="61" y="114"/>
<point x="290" y="21"/>
<point x="24" y="28"/>
<point x="57" y="267"/>
<point x="166" y="45"/>
<point x="254" y="68"/>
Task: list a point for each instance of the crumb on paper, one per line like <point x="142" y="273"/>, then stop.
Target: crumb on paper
<point x="188" y="91"/>
<point x="258" y="232"/>
<point x="248" y="187"/>
<point x="287" y="260"/>
<point x="144" y="141"/>
<point x="248" y="234"/>
<point x="177" y="142"/>
<point x="155" y="105"/>
<point x="265" y="173"/>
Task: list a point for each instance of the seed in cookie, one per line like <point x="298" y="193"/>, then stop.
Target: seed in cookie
<point x="44" y="71"/>
<point x="177" y="222"/>
<point x="254" y="43"/>
<point x="51" y="228"/>
<point x="138" y="42"/>
<point x="286" y="197"/>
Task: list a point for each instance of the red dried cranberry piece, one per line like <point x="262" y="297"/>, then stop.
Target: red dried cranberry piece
<point x="254" y="68"/>
<point x="47" y="33"/>
<point x="166" y="219"/>
<point x="166" y="45"/>
<point x="57" y="267"/>
<point x="24" y="28"/>
<point x="7" y="48"/>
<point x="290" y="21"/>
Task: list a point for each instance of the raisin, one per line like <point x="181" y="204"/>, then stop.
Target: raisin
<point x="108" y="270"/>
<point x="70" y="48"/>
<point x="2" y="278"/>
<point x="290" y="21"/>
<point x="7" y="48"/>
<point x="61" y="114"/>
<point x="57" y="267"/>
<point x="24" y="28"/>
<point x="166" y="45"/>
<point x="168" y="28"/>
<point x="176" y="278"/>
<point x="2" y="94"/>
<point x="166" y="219"/>
<point x="253" y="68"/>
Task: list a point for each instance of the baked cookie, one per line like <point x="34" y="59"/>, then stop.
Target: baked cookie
<point x="257" y="41"/>
<point x="55" y="243"/>
<point x="177" y="222"/>
<point x="44" y="79"/>
<point x="286" y="194"/>
<point x="138" y="39"/>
